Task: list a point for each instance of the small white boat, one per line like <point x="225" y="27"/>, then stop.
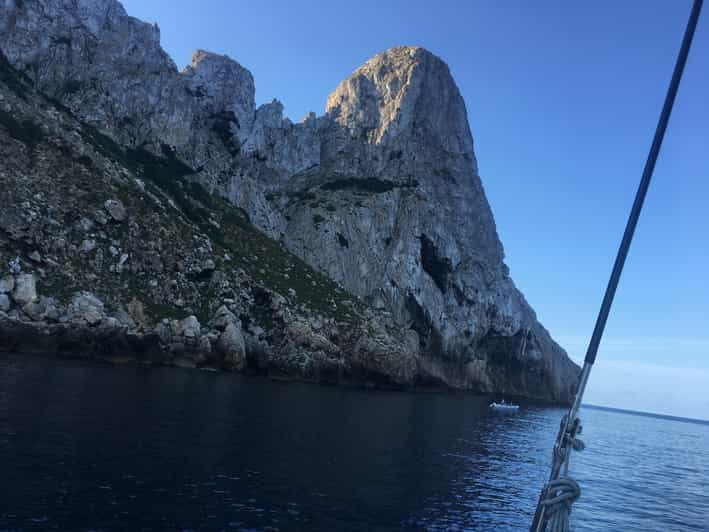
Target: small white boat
<point x="504" y="407"/>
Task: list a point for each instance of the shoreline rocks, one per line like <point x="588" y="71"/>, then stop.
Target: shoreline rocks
<point x="25" y="289"/>
<point x="311" y="350"/>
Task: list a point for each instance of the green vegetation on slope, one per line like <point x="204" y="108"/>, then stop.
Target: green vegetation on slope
<point x="228" y="227"/>
<point x="231" y="232"/>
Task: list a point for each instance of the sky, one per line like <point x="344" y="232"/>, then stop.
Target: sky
<point x="562" y="99"/>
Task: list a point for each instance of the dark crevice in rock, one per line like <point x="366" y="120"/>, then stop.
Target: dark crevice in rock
<point x="505" y="350"/>
<point x="429" y="338"/>
<point x="459" y="295"/>
<point x="433" y="264"/>
<point x="222" y="127"/>
<point x="261" y="307"/>
<point x="342" y="240"/>
<point x="16" y="81"/>
<point x="506" y="360"/>
<point x="420" y="322"/>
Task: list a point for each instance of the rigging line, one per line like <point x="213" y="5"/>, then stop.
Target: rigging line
<point x="570" y="427"/>
<point x="644" y="183"/>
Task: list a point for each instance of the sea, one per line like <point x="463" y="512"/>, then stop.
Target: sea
<point x="90" y="446"/>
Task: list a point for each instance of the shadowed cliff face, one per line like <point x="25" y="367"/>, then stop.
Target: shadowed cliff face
<point x="381" y="193"/>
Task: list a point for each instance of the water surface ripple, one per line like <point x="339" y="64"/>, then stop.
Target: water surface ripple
<point x="89" y="446"/>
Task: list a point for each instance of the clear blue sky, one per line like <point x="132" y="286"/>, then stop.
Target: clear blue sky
<point x="562" y="98"/>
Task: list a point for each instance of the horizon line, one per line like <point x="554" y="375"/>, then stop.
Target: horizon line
<point x="669" y="417"/>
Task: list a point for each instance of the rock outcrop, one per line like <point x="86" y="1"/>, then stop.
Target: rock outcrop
<point x="381" y="195"/>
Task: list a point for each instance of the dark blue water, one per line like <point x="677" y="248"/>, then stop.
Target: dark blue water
<point x="91" y="447"/>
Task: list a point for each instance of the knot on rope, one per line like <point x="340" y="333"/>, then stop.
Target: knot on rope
<point x="561" y="493"/>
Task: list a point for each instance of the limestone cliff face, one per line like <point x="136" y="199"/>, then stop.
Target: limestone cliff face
<point x="92" y="56"/>
<point x="398" y="215"/>
<point x="381" y="193"/>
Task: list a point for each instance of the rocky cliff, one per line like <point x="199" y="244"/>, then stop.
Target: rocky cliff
<point x="113" y="252"/>
<point x="380" y="195"/>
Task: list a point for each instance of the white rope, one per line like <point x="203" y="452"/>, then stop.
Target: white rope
<point x="561" y="494"/>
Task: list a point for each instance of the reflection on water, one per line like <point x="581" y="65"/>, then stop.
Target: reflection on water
<point x="90" y="446"/>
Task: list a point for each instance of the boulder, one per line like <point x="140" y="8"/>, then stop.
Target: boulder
<point x="379" y="354"/>
<point x="124" y="318"/>
<point x="86" y="308"/>
<point x="223" y="318"/>
<point x="14" y="266"/>
<point x="256" y="351"/>
<point x="100" y="217"/>
<point x="231" y="346"/>
<point x="111" y="323"/>
<point x="25" y="289"/>
<point x="4" y="303"/>
<point x="41" y="309"/>
<point x="87" y="245"/>
<point x="204" y="345"/>
<point x="189" y="327"/>
<point x="303" y="335"/>
<point x="164" y="332"/>
<point x="121" y="262"/>
<point x="86" y="224"/>
<point x="116" y="210"/>
<point x="7" y="284"/>
<point x="136" y="312"/>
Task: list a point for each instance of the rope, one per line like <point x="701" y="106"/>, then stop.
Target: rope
<point x="560" y="492"/>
